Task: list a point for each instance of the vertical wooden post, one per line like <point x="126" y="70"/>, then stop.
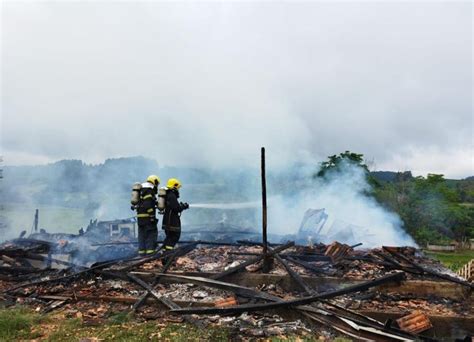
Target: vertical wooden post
<point x="266" y="259"/>
<point x="36" y="220"/>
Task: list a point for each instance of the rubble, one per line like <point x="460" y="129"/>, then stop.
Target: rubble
<point x="416" y="322"/>
<point x="334" y="286"/>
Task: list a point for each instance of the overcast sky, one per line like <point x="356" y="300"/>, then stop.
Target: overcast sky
<point x="209" y="83"/>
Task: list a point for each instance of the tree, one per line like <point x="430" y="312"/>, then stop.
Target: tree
<point x="335" y="162"/>
<point x="429" y="207"/>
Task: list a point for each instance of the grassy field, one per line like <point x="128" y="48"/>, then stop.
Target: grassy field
<point x="453" y="260"/>
<point x="53" y="218"/>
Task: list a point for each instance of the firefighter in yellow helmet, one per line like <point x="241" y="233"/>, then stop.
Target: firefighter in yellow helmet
<point x="146" y="216"/>
<point x="171" y="216"/>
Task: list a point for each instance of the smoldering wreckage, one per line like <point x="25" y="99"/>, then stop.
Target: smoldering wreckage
<point x="222" y="275"/>
<point x="383" y="294"/>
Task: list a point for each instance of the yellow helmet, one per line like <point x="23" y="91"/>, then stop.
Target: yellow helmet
<point x="173" y="183"/>
<point x="153" y="179"/>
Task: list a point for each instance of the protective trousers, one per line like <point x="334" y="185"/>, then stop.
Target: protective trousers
<point x="172" y="238"/>
<point x="147" y="238"/>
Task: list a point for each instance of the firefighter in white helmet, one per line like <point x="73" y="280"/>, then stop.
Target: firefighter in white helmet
<point x="146" y="216"/>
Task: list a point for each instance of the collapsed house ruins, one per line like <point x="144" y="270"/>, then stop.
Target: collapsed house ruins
<point x="244" y="283"/>
<point x="385" y="294"/>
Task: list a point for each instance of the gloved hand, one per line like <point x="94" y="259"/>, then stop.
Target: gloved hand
<point x="184" y="206"/>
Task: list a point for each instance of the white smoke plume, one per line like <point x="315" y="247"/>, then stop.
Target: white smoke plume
<point x="344" y="196"/>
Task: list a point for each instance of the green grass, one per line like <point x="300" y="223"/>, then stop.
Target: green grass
<point x="21" y="323"/>
<point x="17" y="323"/>
<point x="305" y="339"/>
<point x="120" y="318"/>
<point x="453" y="260"/>
<point x="137" y="332"/>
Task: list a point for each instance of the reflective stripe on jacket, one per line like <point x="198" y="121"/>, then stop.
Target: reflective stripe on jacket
<point x="146" y="209"/>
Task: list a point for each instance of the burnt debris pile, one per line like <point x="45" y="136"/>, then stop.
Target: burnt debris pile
<point x="384" y="294"/>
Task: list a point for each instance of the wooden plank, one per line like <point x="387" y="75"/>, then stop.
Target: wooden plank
<point x="296" y="277"/>
<point x="177" y="253"/>
<point x="295" y="302"/>
<point x="251" y="261"/>
<point x="168" y="302"/>
<point x="421" y="288"/>
<point x="426" y="270"/>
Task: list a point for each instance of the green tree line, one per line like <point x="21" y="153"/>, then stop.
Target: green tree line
<point x="432" y="208"/>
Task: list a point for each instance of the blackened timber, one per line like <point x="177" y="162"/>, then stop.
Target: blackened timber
<point x="251" y="293"/>
<point x="143" y="297"/>
<point x="23" y="241"/>
<point x="169" y="262"/>
<point x="237" y="289"/>
<point x="305" y="265"/>
<point x="141" y="261"/>
<point x="53" y="306"/>
<point x="168" y="302"/>
<point x="368" y="321"/>
<point x="325" y="321"/>
<point x="354" y="330"/>
<point x="165" y="301"/>
<point x="377" y="329"/>
<point x="296" y="277"/>
<point x="199" y="242"/>
<point x="66" y="277"/>
<point x="306" y="257"/>
<point x="40" y="257"/>
<point x="19" y="269"/>
<point x="428" y="271"/>
<point x="295" y="302"/>
<point x="158" y="255"/>
<point x="251" y="261"/>
<point x="396" y="265"/>
<point x="266" y="260"/>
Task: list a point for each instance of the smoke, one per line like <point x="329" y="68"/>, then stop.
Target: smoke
<point x="353" y="213"/>
<point x="215" y="195"/>
<point x="241" y="205"/>
<point x="208" y="83"/>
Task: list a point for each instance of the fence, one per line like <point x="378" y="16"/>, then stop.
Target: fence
<point x="441" y="248"/>
<point x="467" y="271"/>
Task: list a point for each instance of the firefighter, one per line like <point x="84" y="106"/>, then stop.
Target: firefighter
<point x="146" y="216"/>
<point x="171" y="216"/>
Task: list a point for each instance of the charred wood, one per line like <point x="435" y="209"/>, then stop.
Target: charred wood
<point x="237" y="289"/>
<point x="426" y="270"/>
<point x="295" y="302"/>
<point x="252" y="261"/>
<point x="296" y="277"/>
<point x="177" y="253"/>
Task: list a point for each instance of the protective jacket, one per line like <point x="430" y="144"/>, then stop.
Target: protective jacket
<point x="146" y="208"/>
<point x="173" y="209"/>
